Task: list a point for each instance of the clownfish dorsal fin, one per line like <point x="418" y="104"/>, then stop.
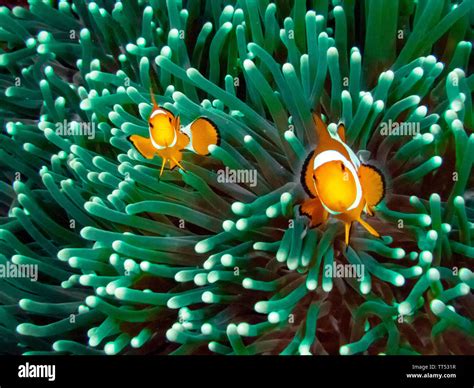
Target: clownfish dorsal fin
<point x="306" y="177"/>
<point x="178" y="123"/>
<point x="321" y="128"/>
<point x="155" y="105"/>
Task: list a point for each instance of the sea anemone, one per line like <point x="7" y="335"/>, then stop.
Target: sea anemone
<point x="200" y="261"/>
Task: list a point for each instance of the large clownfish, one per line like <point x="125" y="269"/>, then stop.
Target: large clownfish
<point x="338" y="183"/>
<point x="168" y="140"/>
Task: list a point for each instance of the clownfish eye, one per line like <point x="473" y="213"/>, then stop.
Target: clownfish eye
<point x="151" y="125"/>
<point x="169" y="118"/>
<point x="343" y="168"/>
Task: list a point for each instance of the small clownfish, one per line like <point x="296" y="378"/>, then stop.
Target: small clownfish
<point x="338" y="183"/>
<point x="168" y="140"/>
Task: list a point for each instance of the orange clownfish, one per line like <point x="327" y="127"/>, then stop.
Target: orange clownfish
<point x="338" y="183"/>
<point x="168" y="140"/>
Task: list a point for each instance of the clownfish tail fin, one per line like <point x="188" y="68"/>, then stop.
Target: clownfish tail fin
<point x="373" y="185"/>
<point x="203" y="134"/>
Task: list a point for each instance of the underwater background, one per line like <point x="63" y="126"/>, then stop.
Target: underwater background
<point x="133" y="263"/>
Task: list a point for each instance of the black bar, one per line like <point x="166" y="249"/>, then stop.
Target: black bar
<point x="179" y="371"/>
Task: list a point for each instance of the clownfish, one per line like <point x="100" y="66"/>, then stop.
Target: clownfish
<point x="338" y="183"/>
<point x="168" y="140"/>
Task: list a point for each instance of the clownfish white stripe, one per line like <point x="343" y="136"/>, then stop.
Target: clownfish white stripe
<point x="334" y="213"/>
<point x="332" y="156"/>
<point x="156" y="145"/>
<point x="175" y="139"/>
<point x="354" y="159"/>
<point x="157" y="112"/>
<point x="187" y="131"/>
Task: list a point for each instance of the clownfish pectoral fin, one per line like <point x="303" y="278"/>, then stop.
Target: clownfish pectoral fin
<point x="373" y="186"/>
<point x="369" y="228"/>
<point x="314" y="210"/>
<point x="143" y="145"/>
<point x="203" y="134"/>
<point x="306" y="177"/>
